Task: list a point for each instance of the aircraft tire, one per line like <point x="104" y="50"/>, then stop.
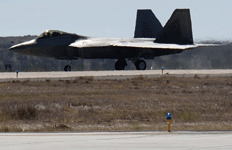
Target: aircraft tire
<point x="67" y="68"/>
<point x="140" y="65"/>
<point x="119" y="65"/>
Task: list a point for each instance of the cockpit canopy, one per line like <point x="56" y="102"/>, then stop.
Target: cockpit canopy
<point x="51" y="33"/>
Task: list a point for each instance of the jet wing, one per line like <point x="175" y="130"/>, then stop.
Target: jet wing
<point x="135" y="43"/>
<point x="208" y="45"/>
<point x="155" y="46"/>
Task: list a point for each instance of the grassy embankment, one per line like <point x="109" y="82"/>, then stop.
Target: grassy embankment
<point x="135" y="104"/>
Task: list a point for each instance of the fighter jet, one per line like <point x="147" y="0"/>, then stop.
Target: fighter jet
<point x="150" y="40"/>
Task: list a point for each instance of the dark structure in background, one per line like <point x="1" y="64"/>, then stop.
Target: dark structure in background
<point x="8" y="68"/>
<point x="200" y="58"/>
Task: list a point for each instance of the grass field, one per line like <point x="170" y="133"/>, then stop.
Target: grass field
<point x="141" y="103"/>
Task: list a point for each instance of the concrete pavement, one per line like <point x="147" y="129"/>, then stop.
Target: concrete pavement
<point x="116" y="140"/>
<point x="111" y="74"/>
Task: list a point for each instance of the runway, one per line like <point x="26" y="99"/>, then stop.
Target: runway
<point x="117" y="140"/>
<point x="112" y="74"/>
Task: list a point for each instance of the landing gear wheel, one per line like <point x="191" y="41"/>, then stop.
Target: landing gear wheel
<point x="119" y="65"/>
<point x="140" y="65"/>
<point x="67" y="68"/>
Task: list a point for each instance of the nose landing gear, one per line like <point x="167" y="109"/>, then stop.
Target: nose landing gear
<point x="68" y="67"/>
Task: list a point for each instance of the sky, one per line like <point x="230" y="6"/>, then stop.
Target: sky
<point x="211" y="19"/>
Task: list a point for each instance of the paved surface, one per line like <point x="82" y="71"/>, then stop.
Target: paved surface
<point x="111" y="74"/>
<point x="116" y="140"/>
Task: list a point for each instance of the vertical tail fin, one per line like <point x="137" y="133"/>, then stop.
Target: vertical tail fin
<point x="178" y="29"/>
<point x="147" y="25"/>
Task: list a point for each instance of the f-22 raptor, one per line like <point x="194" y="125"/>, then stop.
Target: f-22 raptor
<point x="150" y="40"/>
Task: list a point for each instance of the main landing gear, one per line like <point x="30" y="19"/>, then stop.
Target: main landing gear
<point x="120" y="64"/>
<point x="139" y="64"/>
<point x="67" y="68"/>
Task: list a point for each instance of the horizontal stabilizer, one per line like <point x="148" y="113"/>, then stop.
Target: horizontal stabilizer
<point x="147" y="25"/>
<point x="178" y="29"/>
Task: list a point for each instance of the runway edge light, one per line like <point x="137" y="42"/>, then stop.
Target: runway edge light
<point x="169" y="117"/>
<point x="17" y="74"/>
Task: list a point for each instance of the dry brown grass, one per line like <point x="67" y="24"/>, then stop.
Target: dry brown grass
<point x="141" y="103"/>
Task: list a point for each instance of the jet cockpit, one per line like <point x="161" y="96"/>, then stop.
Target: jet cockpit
<point x="51" y="33"/>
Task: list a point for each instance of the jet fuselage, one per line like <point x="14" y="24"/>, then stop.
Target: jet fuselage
<point x="151" y="40"/>
<point x="93" y="48"/>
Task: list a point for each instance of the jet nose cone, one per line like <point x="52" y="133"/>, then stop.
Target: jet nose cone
<point x="22" y="46"/>
<point x="16" y="48"/>
<point x="12" y="48"/>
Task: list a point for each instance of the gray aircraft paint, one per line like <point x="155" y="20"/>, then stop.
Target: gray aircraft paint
<point x="175" y="37"/>
<point x="178" y="29"/>
<point x="147" y="25"/>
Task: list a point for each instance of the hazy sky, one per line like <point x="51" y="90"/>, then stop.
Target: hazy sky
<point x="211" y="19"/>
